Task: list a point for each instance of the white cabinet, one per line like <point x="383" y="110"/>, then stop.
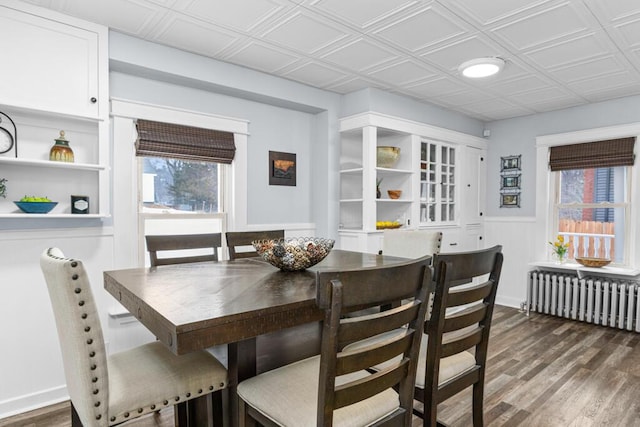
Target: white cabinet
<point x="55" y="78"/>
<point x="432" y="165"/>
<point x="49" y="65"/>
<point x="438" y="183"/>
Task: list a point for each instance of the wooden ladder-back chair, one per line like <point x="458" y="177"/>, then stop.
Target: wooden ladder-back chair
<point x="237" y="239"/>
<point x="454" y="355"/>
<point x="106" y="390"/>
<point x="336" y="387"/>
<point x="176" y="242"/>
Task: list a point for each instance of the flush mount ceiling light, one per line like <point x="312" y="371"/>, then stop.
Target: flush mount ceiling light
<point x="481" y="67"/>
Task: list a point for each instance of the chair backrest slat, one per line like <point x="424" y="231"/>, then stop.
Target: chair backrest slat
<point x="466" y="317"/>
<point x="338" y="293"/>
<point x="243" y="239"/>
<point x="178" y="242"/>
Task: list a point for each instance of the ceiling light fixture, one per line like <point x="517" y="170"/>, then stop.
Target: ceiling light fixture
<point x="481" y="67"/>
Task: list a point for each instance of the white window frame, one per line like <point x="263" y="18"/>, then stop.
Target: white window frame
<point x="546" y="215"/>
<point x="233" y="180"/>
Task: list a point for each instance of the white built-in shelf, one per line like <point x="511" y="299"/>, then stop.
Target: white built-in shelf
<point x="351" y="171"/>
<point x="51" y="215"/>
<point x="350" y="200"/>
<point x="51" y="164"/>
<point x="387" y="171"/>
<point x="394" y="200"/>
<point x="580" y="269"/>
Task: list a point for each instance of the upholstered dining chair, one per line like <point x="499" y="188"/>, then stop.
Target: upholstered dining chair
<point x="175" y="242"/>
<point x="411" y="243"/>
<point x="336" y="388"/>
<point x="454" y="355"/>
<point x="242" y="240"/>
<point x="106" y="390"/>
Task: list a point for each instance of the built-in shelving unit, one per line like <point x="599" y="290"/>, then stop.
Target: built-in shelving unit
<point x="66" y="90"/>
<point x="429" y="172"/>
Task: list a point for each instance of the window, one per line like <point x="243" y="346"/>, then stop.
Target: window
<point x="175" y="185"/>
<point x="589" y="193"/>
<point x="592" y="211"/>
<point x="181" y="170"/>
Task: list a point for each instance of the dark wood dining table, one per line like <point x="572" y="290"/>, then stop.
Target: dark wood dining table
<point x="196" y="306"/>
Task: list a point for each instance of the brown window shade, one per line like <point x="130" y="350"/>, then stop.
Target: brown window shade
<point x="156" y="139"/>
<point x="599" y="154"/>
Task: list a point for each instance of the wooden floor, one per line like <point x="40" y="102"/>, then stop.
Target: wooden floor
<point x="544" y="371"/>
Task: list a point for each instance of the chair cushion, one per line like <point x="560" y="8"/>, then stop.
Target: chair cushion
<point x="150" y="377"/>
<point x="289" y="397"/>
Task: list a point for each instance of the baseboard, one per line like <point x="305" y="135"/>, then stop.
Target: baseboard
<point x="508" y="301"/>
<point x="29" y="402"/>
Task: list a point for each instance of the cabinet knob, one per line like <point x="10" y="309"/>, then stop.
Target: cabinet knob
<point x="480" y="237"/>
<point x="480" y="213"/>
<point x="453" y="244"/>
<point x="93" y="100"/>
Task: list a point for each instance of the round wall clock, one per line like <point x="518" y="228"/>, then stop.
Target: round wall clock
<point x="6" y="140"/>
<point x="8" y="137"/>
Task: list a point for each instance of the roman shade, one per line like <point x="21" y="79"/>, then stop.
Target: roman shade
<point x="598" y="154"/>
<point x="158" y="139"/>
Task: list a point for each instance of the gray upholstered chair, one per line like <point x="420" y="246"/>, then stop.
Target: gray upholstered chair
<point x="336" y="387"/>
<point x="109" y="389"/>
<point x="167" y="244"/>
<point x="242" y="240"/>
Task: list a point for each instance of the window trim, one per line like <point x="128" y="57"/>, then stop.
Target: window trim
<point x="545" y="182"/>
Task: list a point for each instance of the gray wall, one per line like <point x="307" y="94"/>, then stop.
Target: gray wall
<point x="518" y="136"/>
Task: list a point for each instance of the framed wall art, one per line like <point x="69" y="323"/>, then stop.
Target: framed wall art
<point x="510" y="181"/>
<point x="510" y="163"/>
<point x="282" y="168"/>
<point x="510" y="200"/>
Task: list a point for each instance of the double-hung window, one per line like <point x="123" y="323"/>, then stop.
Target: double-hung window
<point x="181" y="173"/>
<point x="592" y="200"/>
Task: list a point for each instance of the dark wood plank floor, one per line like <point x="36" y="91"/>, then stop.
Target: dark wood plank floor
<point x="544" y="372"/>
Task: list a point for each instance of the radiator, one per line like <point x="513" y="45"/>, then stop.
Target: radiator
<point x="599" y="300"/>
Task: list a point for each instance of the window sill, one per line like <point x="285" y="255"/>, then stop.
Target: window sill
<point x="581" y="271"/>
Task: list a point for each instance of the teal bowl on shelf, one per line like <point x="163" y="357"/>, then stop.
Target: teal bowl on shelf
<point x="36" y="207"/>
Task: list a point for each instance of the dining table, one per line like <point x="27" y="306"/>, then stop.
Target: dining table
<point x="196" y="306"/>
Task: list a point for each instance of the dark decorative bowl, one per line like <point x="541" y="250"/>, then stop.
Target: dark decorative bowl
<point x="294" y="254"/>
<point x="36" y="207"/>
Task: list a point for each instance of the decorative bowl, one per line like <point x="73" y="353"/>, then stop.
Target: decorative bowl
<point x="593" y="262"/>
<point x="36" y="207"/>
<point x="386" y="157"/>
<point x="294" y="254"/>
<point x="394" y="194"/>
<point x="384" y="225"/>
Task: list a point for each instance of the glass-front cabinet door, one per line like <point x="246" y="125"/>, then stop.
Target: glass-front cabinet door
<point x="438" y="191"/>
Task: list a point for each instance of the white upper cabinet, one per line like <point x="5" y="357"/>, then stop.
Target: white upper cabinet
<point x="50" y="65"/>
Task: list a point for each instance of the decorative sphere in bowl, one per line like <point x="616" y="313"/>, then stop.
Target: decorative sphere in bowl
<point x="294" y="254"/>
<point x="386" y="157"/>
<point x="36" y="207"/>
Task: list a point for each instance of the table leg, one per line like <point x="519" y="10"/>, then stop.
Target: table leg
<point x="242" y="365"/>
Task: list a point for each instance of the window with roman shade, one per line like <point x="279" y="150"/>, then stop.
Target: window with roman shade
<point x="158" y="139"/>
<point x="598" y="154"/>
<point x="592" y="197"/>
